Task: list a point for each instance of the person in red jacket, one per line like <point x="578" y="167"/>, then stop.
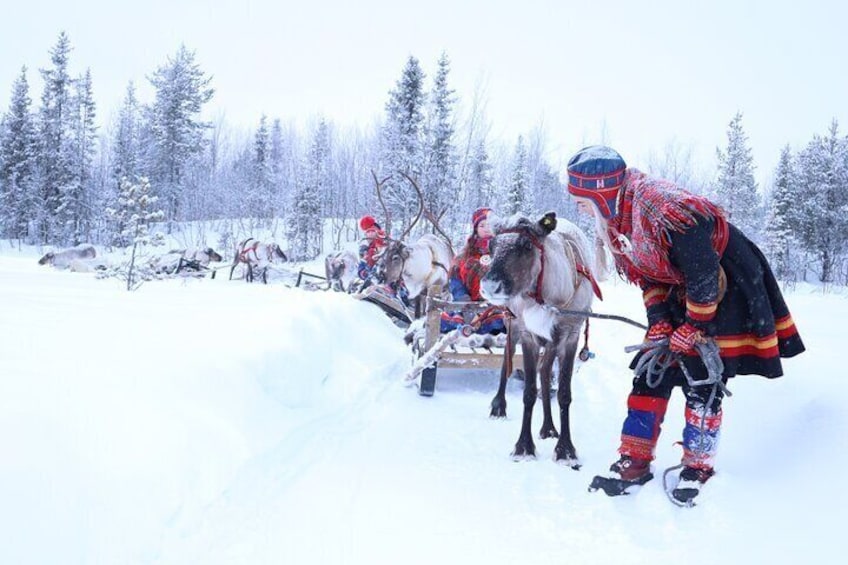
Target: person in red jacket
<point x="468" y="269"/>
<point x="374" y="242"/>
<point x="704" y="283"/>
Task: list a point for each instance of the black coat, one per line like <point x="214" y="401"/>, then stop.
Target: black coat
<point x="752" y="324"/>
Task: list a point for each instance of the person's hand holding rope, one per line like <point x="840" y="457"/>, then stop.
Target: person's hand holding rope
<point x="684" y="339"/>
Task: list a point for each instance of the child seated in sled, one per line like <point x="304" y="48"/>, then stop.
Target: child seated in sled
<point x="467" y="270"/>
<point x="372" y="244"/>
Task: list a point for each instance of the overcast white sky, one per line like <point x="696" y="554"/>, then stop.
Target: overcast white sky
<point x="644" y="72"/>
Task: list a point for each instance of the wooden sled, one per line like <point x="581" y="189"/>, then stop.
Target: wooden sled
<point x="466" y="353"/>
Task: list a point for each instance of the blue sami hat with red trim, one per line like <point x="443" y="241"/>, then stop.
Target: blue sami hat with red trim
<point x="597" y="173"/>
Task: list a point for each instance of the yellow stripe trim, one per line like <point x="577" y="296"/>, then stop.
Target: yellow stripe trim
<point x="765" y="343"/>
<point x="653" y="293"/>
<point x="699" y="309"/>
<point x="787" y="323"/>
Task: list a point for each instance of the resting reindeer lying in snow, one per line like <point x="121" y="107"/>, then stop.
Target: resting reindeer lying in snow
<point x="535" y="272"/>
<point x="62" y="259"/>
<point x="186" y="259"/>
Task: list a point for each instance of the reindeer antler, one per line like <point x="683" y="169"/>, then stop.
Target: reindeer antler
<point x="435" y="221"/>
<point x="420" y="204"/>
<point x="428" y="213"/>
<point x="379" y="184"/>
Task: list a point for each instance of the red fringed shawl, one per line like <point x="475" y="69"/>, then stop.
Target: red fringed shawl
<point x="648" y="210"/>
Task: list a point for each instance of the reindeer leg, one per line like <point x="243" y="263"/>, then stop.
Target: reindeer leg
<point x="524" y="447"/>
<point x="499" y="401"/>
<point x="565" y="452"/>
<point x="545" y="369"/>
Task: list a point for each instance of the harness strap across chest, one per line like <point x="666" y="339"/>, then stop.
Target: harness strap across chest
<point x="243" y="256"/>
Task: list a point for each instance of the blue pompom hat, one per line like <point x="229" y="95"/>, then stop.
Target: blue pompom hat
<point x="597" y="173"/>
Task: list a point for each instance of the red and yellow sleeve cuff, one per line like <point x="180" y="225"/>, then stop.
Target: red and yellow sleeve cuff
<point x="700" y="312"/>
<point x="654" y="295"/>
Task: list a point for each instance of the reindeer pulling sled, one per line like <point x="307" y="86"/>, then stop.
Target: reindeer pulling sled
<point x="404" y="272"/>
<point x="257" y="257"/>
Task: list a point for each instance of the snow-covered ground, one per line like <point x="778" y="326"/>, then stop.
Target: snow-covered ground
<point x="209" y="421"/>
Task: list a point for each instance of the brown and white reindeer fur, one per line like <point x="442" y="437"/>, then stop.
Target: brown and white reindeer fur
<point x="62" y="259"/>
<point x="257" y="255"/>
<point x="534" y="272"/>
<point x="421" y="265"/>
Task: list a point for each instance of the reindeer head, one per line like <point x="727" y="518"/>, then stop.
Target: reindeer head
<point x="276" y="252"/>
<point x="516" y="258"/>
<point x="212" y="255"/>
<point x="47" y="259"/>
<point x="334" y="266"/>
<point x="390" y="261"/>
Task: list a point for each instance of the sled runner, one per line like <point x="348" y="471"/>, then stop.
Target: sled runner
<point x="388" y="303"/>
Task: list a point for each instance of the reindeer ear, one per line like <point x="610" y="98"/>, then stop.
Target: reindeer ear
<point x="404" y="252"/>
<point x="548" y="222"/>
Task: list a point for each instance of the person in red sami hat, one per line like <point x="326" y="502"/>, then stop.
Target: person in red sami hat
<point x="703" y="283"/>
<point x="466" y="271"/>
<point x="374" y="242"/>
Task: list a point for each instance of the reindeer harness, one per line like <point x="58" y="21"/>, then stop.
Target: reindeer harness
<point x="580" y="269"/>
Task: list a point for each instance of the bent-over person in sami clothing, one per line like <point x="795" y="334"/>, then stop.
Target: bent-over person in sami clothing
<point x="702" y="281"/>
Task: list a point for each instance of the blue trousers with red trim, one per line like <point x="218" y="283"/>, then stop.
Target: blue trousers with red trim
<point x="646" y="408"/>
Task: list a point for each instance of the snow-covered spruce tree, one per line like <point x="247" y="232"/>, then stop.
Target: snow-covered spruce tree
<point x="480" y="178"/>
<point x="126" y="150"/>
<point x="75" y="212"/>
<point x="823" y="202"/>
<point x="403" y="140"/>
<point x="182" y="89"/>
<point x="126" y="158"/>
<point x="18" y="146"/>
<point x="780" y="242"/>
<point x="544" y="189"/>
<point x="440" y="178"/>
<point x="305" y="225"/>
<point x="549" y="193"/>
<point x="276" y="162"/>
<point x="736" y="189"/>
<point x="518" y="197"/>
<point x="136" y="210"/>
<point x="262" y="180"/>
<point x="55" y="156"/>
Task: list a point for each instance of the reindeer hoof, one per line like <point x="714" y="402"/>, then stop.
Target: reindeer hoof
<point x="524" y="452"/>
<point x="567" y="457"/>
<point x="498" y="408"/>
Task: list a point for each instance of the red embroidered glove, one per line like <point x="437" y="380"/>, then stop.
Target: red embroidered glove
<point x="685" y="337"/>
<point x="659" y="331"/>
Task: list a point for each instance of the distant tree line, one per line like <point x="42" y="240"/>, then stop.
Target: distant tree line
<point x="63" y="180"/>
